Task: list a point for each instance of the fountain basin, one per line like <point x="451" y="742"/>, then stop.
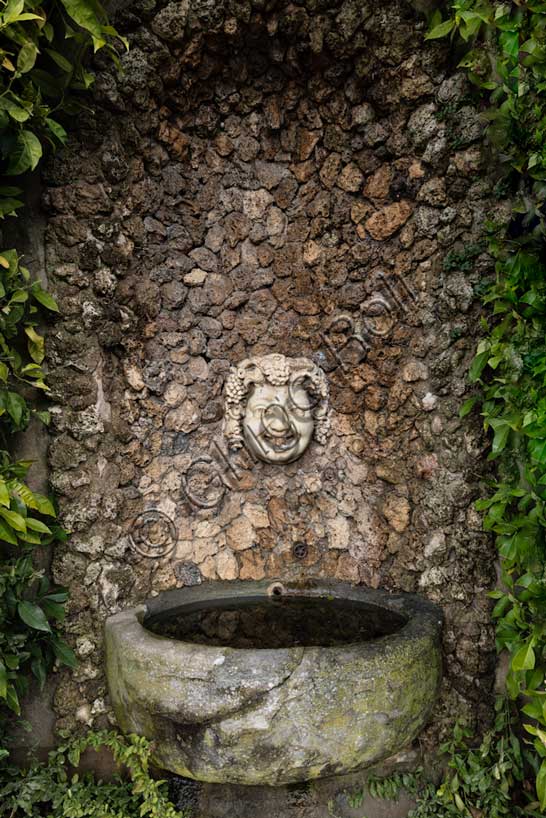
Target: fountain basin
<point x="270" y="683"/>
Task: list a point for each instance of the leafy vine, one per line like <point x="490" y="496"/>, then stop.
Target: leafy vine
<point x="505" y="58"/>
<point x="42" y="72"/>
<point x="57" y="790"/>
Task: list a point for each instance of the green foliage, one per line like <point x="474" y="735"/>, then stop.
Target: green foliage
<point x="42" y="71"/>
<point x="31" y="612"/>
<point x="479" y="782"/>
<point x="22" y="303"/>
<point x="42" y="51"/>
<point x="55" y="790"/>
<point x="505" y="58"/>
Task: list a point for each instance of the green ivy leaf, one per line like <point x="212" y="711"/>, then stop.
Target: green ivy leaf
<point x="509" y="41"/>
<point x="44" y="298"/>
<point x="87" y="14"/>
<point x="53" y="610"/>
<point x="28" y="537"/>
<point x="4" y="493"/>
<point x="467" y="406"/>
<point x="15" y="406"/>
<point x="38" y="668"/>
<point x="64" y="653"/>
<point x="49" y="85"/>
<point x="61" y="61"/>
<point x="8" y="206"/>
<point x="12" y="700"/>
<point x="33" y="616"/>
<point x="3" y="680"/>
<point x="44" y="416"/>
<point x="478" y="365"/>
<point x="537" y="450"/>
<point x="7" y="535"/>
<point x="16" y="521"/>
<point x="43" y="505"/>
<point x="56" y="129"/>
<point x="441" y="30"/>
<point x="524" y="659"/>
<point x="37" y="525"/>
<point x="26" y="154"/>
<point x="541" y="785"/>
<point x="35" y="345"/>
<point x="12" y="10"/>
<point x="26" y="57"/>
<point x="15" y="111"/>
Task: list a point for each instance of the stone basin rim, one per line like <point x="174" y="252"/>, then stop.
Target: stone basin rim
<point x="422" y="616"/>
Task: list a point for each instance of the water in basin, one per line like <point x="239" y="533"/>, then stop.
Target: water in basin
<point x="279" y="623"/>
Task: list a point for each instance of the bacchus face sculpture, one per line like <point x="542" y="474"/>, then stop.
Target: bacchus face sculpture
<point x="274" y="405"/>
<point x="278" y="422"/>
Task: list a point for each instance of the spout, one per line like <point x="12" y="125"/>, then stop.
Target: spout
<point x="276" y="589"/>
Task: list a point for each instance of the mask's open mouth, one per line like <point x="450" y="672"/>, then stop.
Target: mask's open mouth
<point x="280" y="441"/>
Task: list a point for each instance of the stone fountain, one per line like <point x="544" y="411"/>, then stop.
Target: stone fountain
<point x="272" y="683"/>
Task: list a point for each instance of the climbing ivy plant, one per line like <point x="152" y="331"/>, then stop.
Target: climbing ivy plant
<point x="42" y="74"/>
<point x="504" y="55"/>
<point x="42" y="51"/>
<point x="30" y="610"/>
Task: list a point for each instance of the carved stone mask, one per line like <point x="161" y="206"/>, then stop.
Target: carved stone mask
<point x="274" y="405"/>
<point x="278" y="422"/>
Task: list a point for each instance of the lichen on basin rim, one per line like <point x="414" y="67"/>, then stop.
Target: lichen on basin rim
<point x="345" y="677"/>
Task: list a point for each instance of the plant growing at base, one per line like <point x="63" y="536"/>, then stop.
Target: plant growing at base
<point x="56" y="790"/>
<point x="487" y="781"/>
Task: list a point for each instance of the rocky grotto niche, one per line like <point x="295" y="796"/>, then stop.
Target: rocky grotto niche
<point x="301" y="179"/>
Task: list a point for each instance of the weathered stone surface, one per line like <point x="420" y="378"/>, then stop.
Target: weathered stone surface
<point x="330" y="169"/>
<point x="270" y="174"/>
<point x="385" y="222"/>
<point x="240" y="534"/>
<point x="195" y="277"/>
<point x="339" y="533"/>
<point x="378" y="185"/>
<point x="273" y="716"/>
<point x="363" y="114"/>
<point x="397" y="510"/>
<point x="415" y="371"/>
<point x="170" y="23"/>
<point x="350" y="178"/>
<point x="423" y="124"/>
<point x="255" y="203"/>
<point x="306" y="143"/>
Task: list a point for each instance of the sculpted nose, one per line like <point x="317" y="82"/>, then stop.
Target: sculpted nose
<point x="276" y="420"/>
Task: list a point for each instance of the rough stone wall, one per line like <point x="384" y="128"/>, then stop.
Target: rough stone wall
<point x="260" y="170"/>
